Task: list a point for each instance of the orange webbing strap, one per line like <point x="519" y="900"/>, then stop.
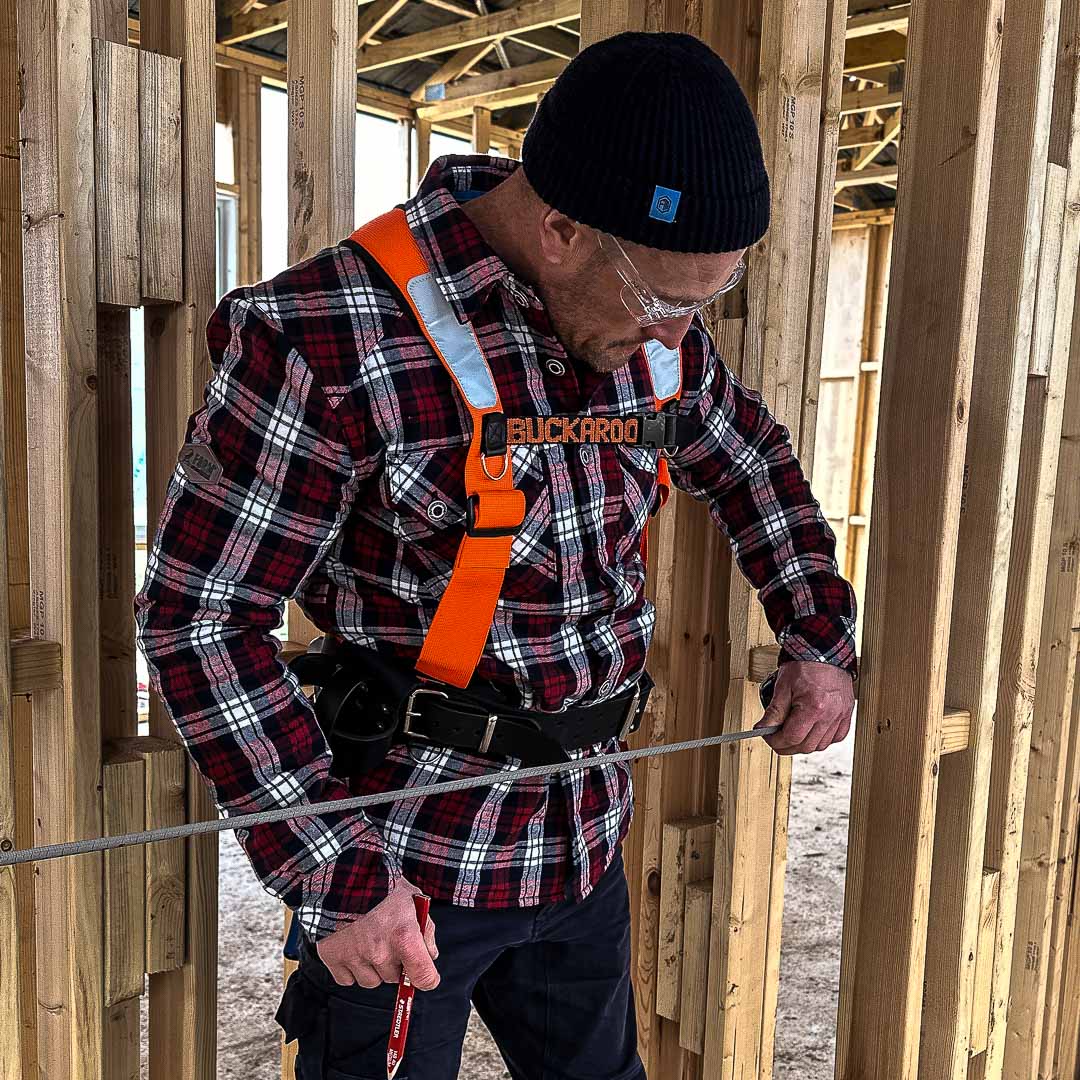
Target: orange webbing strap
<point x="672" y="389"/>
<point x="462" y="621"/>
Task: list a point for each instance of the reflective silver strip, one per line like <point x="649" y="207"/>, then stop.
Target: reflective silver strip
<point x="457" y="343"/>
<point x="665" y="368"/>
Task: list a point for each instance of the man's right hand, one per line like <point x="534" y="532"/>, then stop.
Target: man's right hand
<point x="374" y="947"/>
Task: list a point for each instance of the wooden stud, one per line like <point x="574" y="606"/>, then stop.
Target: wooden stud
<point x="116" y="170"/>
<point x="183" y="1002"/>
<point x="481" y="133"/>
<point x="986" y="527"/>
<point x="19" y="1025"/>
<point x="687" y="857"/>
<point x="953" y="57"/>
<point x="1023" y="985"/>
<point x="423" y="151"/>
<point x="60" y="294"/>
<point x="697" y="918"/>
<point x="322" y="152"/>
<point x="11" y="976"/>
<point x="164" y="762"/>
<point x="161" y="175"/>
<point x="123" y="799"/>
<point x="984" y="961"/>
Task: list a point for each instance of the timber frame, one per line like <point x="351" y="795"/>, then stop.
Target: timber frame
<point x="961" y="942"/>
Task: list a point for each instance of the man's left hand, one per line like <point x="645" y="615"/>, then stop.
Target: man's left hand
<point x="814" y="702"/>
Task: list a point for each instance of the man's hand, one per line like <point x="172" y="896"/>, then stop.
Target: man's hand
<point x="813" y="701"/>
<point x="374" y="947"/>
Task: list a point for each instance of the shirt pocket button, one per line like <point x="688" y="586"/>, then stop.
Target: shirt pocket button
<point x="436" y="510"/>
<point x="556" y="367"/>
<point x="585" y="453"/>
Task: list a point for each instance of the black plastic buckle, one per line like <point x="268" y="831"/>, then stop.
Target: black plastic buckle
<point x="659" y="431"/>
<point x="472" y="504"/>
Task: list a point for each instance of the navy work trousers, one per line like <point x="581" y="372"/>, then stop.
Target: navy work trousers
<point x="552" y="984"/>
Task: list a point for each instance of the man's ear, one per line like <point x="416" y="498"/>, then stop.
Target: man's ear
<point x="562" y="240"/>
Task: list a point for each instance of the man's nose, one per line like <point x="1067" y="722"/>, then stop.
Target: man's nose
<point x="670" y="332"/>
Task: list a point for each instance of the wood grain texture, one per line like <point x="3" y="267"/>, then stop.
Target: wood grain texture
<point x="59" y="297"/>
<point x="995" y="421"/>
<point x="979" y="1027"/>
<point x="116" y="170"/>
<point x="697" y="917"/>
<point x="161" y="173"/>
<point x="20" y="1034"/>
<point x="686" y="854"/>
<point x="944" y="187"/>
<point x="123" y="801"/>
<point x="183" y="1003"/>
<point x="11" y="1033"/>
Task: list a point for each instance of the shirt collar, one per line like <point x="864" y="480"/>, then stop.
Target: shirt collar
<point x="461" y="262"/>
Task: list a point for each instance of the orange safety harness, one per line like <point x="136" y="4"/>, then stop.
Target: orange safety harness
<point x="495" y="509"/>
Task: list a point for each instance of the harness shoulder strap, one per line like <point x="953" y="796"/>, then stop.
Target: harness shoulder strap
<point x="495" y="509"/>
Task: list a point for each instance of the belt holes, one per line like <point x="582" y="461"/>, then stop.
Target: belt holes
<point x="436" y="510"/>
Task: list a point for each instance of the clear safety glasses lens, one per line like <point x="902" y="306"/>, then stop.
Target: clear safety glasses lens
<point x="640" y="301"/>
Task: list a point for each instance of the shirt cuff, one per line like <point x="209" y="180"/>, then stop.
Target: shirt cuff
<point x="338" y="892"/>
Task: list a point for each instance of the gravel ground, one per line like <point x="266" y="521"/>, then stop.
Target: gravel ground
<point x="250" y="964"/>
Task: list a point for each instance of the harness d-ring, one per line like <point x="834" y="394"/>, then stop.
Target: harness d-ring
<point x="506" y="465"/>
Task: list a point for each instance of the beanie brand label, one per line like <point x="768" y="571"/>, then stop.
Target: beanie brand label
<point x="665" y="202"/>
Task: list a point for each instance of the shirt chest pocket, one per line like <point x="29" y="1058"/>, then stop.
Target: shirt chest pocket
<point x="424" y="492"/>
<point x="638" y="466"/>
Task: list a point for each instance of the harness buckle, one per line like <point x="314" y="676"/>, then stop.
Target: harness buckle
<point x="631" y="714"/>
<point x="472" y="504"/>
<point x="659" y="431"/>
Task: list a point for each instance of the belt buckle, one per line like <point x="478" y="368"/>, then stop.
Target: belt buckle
<point x="411" y="713"/>
<point x="631" y="713"/>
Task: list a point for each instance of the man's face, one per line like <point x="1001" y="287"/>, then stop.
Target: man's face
<point x="585" y="294"/>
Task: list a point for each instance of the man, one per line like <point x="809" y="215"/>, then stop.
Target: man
<point x="337" y="461"/>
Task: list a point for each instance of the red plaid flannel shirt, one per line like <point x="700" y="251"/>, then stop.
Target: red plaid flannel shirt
<point x="341" y="445"/>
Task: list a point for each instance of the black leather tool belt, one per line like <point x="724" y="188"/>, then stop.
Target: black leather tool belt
<point x="366" y="703"/>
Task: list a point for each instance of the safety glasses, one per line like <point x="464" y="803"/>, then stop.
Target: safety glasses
<point x="642" y="303"/>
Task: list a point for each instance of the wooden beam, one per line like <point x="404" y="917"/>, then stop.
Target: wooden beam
<point x="697" y="926"/>
<point x="984" y="962"/>
<point x="13" y="987"/>
<point x="944" y="189"/>
<point x="879" y="22"/>
<point x="116" y="164"/>
<point x="253" y="23"/>
<point x="375" y="17"/>
<point x="877" y="174"/>
<point x="60" y="316"/>
<point x="863" y="135"/>
<point x="161" y="172"/>
<point x="183" y="1002"/>
<point x="472" y="91"/>
<point x="860" y="101"/>
<point x="890" y="134"/>
<point x="869" y="53"/>
<point x="532" y="15"/>
<point x="500" y="89"/>
<point x="687" y="857"/>
<point x="435" y="86"/>
<point x="481" y="130"/>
